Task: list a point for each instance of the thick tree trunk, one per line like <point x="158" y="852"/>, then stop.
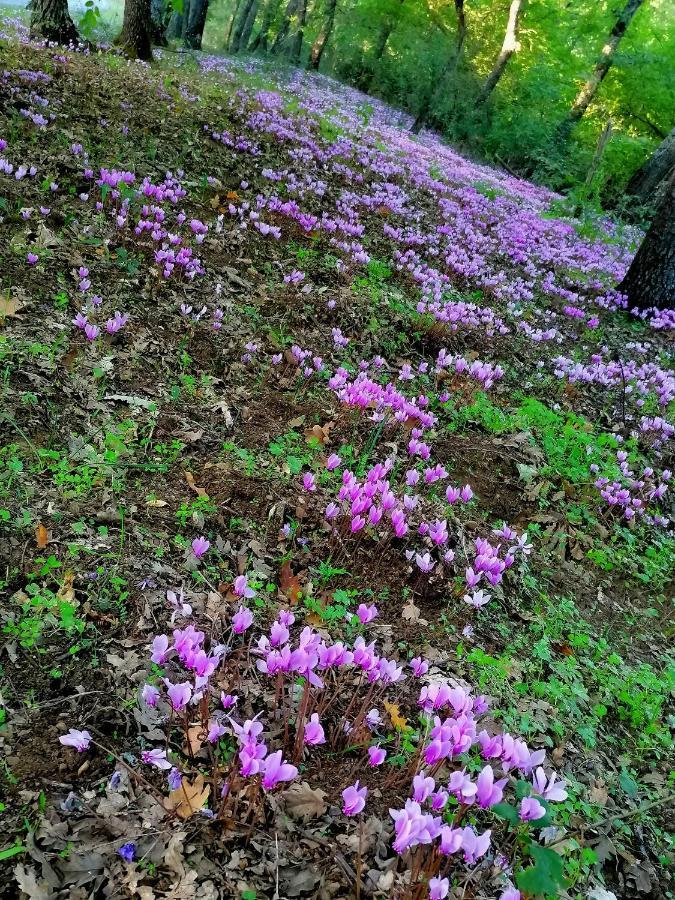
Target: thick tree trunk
<point x="650" y="280"/>
<point x="451" y="65"/>
<point x="50" y="20"/>
<point x="295" y="43"/>
<point x="509" y="46"/>
<point x="291" y="11"/>
<point x="229" y="31"/>
<point x="175" y="27"/>
<point x="260" y="41"/>
<point x="242" y="15"/>
<point x="645" y="182"/>
<point x="323" y="36"/>
<point x="194" y="19"/>
<point x="583" y="99"/>
<point x="160" y="16"/>
<point x="137" y="29"/>
<point x="380" y="46"/>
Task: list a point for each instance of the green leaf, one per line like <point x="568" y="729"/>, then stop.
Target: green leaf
<point x="12" y="851"/>
<point x="629" y="784"/>
<point x="506" y="811"/>
<point x="546" y="876"/>
<point x="294" y="464"/>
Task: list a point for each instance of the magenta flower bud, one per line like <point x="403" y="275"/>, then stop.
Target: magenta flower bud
<point x="314" y="731"/>
<point x="333" y="462"/>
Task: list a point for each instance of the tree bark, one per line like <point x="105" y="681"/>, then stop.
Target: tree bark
<point x="260" y="41"/>
<point x="381" y="46"/>
<point x="323" y="36"/>
<point x="50" y="21"/>
<point x="295" y="44"/>
<point x="645" y="182"/>
<point x="583" y="99"/>
<point x="450" y="66"/>
<point x="195" y="19"/>
<point x="175" y="27"/>
<point x="509" y="46"/>
<point x="650" y="280"/>
<point x="242" y="15"/>
<point x="160" y="16"/>
<point x="136" y="33"/>
<point x="248" y="24"/>
<point x="290" y="11"/>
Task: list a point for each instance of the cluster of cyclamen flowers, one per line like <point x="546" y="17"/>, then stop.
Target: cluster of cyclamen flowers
<point x="355" y="680"/>
<point x="83" y="320"/>
<point x="375" y="506"/>
<point x="635" y="495"/>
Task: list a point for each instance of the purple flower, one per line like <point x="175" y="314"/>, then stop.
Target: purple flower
<point x="127" y="851"/>
<point x="419" y="666"/>
<point x="550" y="790"/>
<point x="156" y="758"/>
<point x="32" y="258"/>
<point x="160" y="649"/>
<point x="91" y="331"/>
<point x="438" y="888"/>
<point x="275" y="771"/>
<point x="466" y="494"/>
<point x="333" y="462"/>
<point x="242" y="620"/>
<point x="477" y="599"/>
<point x="228" y="700"/>
<point x="366" y="613"/>
<point x="474" y="845"/>
<point x="354" y="799"/>
<point x="150" y="694"/>
<point x="531" y="809"/>
<point x="489" y="792"/>
<point x="174" y="779"/>
<point x="511" y="893"/>
<point x="241" y="588"/>
<point x="314" y="731"/>
<point x="308" y="482"/>
<point x="376" y="756"/>
<point x="200" y="545"/>
<point x="80" y="740"/>
<point x="179" y="694"/>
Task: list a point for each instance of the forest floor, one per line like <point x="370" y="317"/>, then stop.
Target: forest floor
<point x="303" y="230"/>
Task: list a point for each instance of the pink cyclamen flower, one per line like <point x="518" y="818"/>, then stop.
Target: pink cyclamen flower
<point x="242" y="620"/>
<point x="531" y="809"/>
<point x="275" y="771"/>
<point x="91" y="331"/>
<point x="32" y="258"/>
<point x="376" y="756"/>
<point x="549" y="789"/>
<point x="366" y="613"/>
<point x="241" y="588"/>
<point x="354" y="799"/>
<point x="314" y="731"/>
<point x="179" y="694"/>
<point x="466" y="494"/>
<point x="308" y="482"/>
<point x="333" y="462"/>
<point x="488" y="791"/>
<point x="511" y="893"/>
<point x="150" y="694"/>
<point x="156" y="758"/>
<point x="200" y="546"/>
<point x="160" y="649"/>
<point x="80" y="740"/>
<point x="419" y="666"/>
<point x="477" y="599"/>
<point x="438" y="888"/>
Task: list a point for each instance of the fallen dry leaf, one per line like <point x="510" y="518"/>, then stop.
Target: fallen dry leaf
<point x="9" y="306"/>
<point x="303" y="802"/>
<point x="189" y="798"/>
<point x="155" y="502"/>
<point x="399" y="722"/>
<point x="196" y="736"/>
<point x="289" y="583"/>
<point x="41" y="536"/>
<point x="190" y="478"/>
<point x="67" y="592"/>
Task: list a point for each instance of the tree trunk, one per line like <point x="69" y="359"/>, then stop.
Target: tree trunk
<point x="195" y="19"/>
<point x="583" y="99"/>
<point x="650" y="280"/>
<point x="160" y="15"/>
<point x="381" y="46"/>
<point x="248" y="24"/>
<point x="451" y="65"/>
<point x="259" y="42"/>
<point x="645" y="182"/>
<point x="135" y="37"/>
<point x="285" y="27"/>
<point x="295" y="45"/>
<point x="50" y="21"/>
<point x="230" y="27"/>
<point x="175" y="27"/>
<point x="509" y="47"/>
<point x="242" y="15"/>
<point x="323" y="36"/>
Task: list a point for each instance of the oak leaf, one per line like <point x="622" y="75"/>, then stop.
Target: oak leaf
<point x="303" y="802"/>
<point x="189" y="798"/>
